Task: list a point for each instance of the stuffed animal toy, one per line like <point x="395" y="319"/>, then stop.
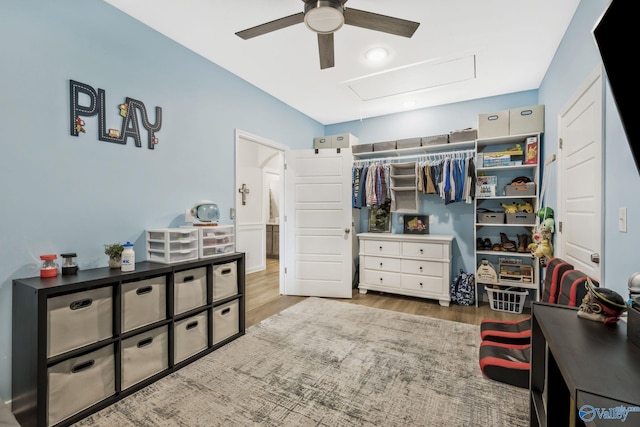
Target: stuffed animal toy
<point x="541" y="246"/>
<point x="512" y="208"/>
<point x="525" y="207"/>
<point x="601" y="305"/>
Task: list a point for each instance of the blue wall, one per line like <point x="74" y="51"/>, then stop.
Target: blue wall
<point x="62" y="193"/>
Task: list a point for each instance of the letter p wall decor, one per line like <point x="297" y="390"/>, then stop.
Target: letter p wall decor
<point x="132" y="111"/>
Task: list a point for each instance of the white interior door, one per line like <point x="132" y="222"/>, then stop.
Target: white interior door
<point x="580" y="179"/>
<point x="317" y="223"/>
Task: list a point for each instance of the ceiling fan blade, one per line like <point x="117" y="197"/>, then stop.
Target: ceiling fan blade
<point x="377" y="22"/>
<point x="268" y="27"/>
<point x="325" y="47"/>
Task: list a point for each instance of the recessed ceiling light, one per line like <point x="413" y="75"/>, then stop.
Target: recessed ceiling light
<point x="376" y="54"/>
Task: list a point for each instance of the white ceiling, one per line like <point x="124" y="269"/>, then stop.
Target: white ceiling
<point x="493" y="46"/>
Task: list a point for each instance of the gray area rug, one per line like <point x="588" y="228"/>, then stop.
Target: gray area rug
<point x="330" y="363"/>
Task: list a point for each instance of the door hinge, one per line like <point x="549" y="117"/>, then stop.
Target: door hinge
<point x="560" y="227"/>
<point x="560" y="143"/>
<point x="285" y="166"/>
<point x="285" y="270"/>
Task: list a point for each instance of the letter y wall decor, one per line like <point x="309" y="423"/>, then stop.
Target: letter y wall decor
<point x="132" y="112"/>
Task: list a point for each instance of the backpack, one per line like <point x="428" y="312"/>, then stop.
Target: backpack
<point x="462" y="289"/>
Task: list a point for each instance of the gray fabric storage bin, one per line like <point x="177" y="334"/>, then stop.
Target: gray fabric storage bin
<point x="465" y="135"/>
<point x="362" y="148"/>
<point x="493" y="125"/>
<point x="521" y="218"/>
<point x="78" y="319"/>
<point x="226" y="321"/>
<point x="144" y="355"/>
<point x="526" y="120"/>
<point x="491" y="218"/>
<point x="435" y="140"/>
<point x="384" y="146"/>
<point x="225" y="280"/>
<point x="191" y="336"/>
<point x="79" y="382"/>
<point x="143" y="302"/>
<point x="189" y="289"/>
<point x="527" y="189"/>
<point x="408" y="143"/>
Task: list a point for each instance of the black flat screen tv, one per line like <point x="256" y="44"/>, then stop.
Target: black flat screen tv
<point x="616" y="38"/>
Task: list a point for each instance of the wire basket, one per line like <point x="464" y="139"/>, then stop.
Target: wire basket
<point x="509" y="299"/>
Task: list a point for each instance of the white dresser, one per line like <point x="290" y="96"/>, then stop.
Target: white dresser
<point x="406" y="264"/>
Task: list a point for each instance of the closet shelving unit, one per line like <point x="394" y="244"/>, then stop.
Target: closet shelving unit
<point x="504" y="175"/>
<point x="413" y="152"/>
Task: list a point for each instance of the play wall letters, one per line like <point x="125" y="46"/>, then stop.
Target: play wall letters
<point x="130" y="111"/>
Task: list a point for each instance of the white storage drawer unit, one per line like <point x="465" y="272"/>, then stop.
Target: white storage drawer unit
<point x="78" y="319"/>
<point x="143" y="302"/>
<point x="77" y="383"/>
<point x="406" y="264"/>
<point x="169" y="245"/>
<point x="144" y="355"/>
<point x="215" y="241"/>
<point x="189" y="289"/>
<point x="191" y="336"/>
<point x="226" y="321"/>
<point x="225" y="280"/>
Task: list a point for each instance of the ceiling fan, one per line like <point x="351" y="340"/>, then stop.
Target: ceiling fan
<point x="327" y="16"/>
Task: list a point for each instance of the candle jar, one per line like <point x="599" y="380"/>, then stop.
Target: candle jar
<point x="69" y="264"/>
<point x="48" y="267"/>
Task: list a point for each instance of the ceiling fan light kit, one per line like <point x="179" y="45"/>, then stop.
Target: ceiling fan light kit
<point x="324" y="17"/>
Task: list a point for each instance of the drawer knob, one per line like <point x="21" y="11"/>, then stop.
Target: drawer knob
<point x="421" y="250"/>
<point x="381" y="280"/>
<point x="420" y="268"/>
<point x="380" y="265"/>
<point x="380" y="247"/>
<point x="420" y="284"/>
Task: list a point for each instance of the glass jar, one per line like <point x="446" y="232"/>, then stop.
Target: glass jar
<point x="69" y="265"/>
<point x="48" y="267"/>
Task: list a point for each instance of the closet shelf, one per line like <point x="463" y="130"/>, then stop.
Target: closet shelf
<point x="502" y="168"/>
<point x="415" y="150"/>
<point x="506" y="197"/>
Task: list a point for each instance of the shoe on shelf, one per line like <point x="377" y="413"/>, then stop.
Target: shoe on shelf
<point x="487" y="244"/>
<point x="507" y="245"/>
<point x="497" y="247"/>
<point x="479" y="244"/>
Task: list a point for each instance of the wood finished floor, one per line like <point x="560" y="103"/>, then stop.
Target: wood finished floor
<point x="264" y="300"/>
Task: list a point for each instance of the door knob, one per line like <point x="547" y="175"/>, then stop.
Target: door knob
<point x="347" y="230"/>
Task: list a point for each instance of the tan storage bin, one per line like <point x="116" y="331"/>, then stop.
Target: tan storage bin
<point x="435" y="140"/>
<point x="226" y="321"/>
<point x="409" y="143"/>
<point x="143" y="302"/>
<point x="144" y="355"/>
<point x="492" y="125"/>
<point x="528" y="189"/>
<point x="526" y="120"/>
<point x="521" y="218"/>
<point x="78" y="319"/>
<point x="191" y="336"/>
<point x="189" y="289"/>
<point x="225" y="280"/>
<point x="362" y="148"/>
<point x="464" y="135"/>
<point x="321" y="142"/>
<point x="77" y="383"/>
<point x="490" y="217"/>
<point x="384" y="146"/>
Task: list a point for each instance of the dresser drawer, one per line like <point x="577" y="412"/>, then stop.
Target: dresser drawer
<point x="380" y="263"/>
<point x="423" y="250"/>
<point x="191" y="336"/>
<point x="428" y="268"/>
<point x="77" y="383"/>
<point x="380" y="247"/>
<point x="381" y="278"/>
<point x="190" y="289"/>
<point x="143" y="302"/>
<point x="225" y="280"/>
<point x="144" y="355"/>
<point x="423" y="283"/>
<point x="78" y="319"/>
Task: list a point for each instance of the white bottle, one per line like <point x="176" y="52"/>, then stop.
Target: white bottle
<point x="128" y="258"/>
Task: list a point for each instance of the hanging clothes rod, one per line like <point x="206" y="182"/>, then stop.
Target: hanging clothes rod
<point x="417" y="157"/>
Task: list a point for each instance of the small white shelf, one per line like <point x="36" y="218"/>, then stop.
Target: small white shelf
<point x="415" y="150"/>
